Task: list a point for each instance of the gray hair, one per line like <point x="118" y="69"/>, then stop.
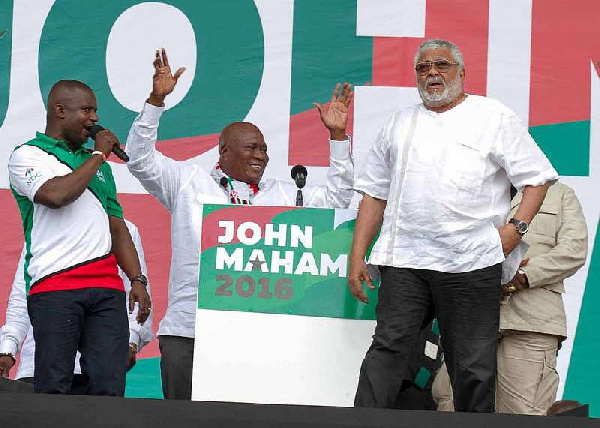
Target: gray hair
<point x="438" y="43"/>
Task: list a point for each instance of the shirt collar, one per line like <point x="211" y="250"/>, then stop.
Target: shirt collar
<point x="47" y="139"/>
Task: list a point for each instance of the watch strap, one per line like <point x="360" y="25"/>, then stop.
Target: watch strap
<point x="140" y="278"/>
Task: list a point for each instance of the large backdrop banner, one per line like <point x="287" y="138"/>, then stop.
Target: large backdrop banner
<point x="267" y="61"/>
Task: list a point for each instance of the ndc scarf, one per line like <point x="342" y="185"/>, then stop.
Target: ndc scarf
<point x="239" y="192"/>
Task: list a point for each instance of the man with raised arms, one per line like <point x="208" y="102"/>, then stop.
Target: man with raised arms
<point x="183" y="187"/>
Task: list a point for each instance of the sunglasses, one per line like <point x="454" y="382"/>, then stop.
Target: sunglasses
<point x="440" y="65"/>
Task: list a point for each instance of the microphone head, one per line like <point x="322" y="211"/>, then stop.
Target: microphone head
<point x="223" y="181"/>
<point x="94" y="129"/>
<point x="299" y="169"/>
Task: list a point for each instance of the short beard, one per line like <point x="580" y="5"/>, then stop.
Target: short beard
<point x="450" y="93"/>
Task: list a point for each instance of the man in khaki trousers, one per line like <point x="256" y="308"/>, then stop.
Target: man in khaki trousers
<point x="532" y="316"/>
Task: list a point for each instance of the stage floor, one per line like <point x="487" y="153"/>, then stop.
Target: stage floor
<point x="29" y="410"/>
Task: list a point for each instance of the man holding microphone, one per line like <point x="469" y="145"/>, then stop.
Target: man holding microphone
<point x="74" y="238"/>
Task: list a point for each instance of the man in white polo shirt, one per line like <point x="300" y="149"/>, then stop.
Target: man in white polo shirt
<point x="437" y="183"/>
<point x="74" y="237"/>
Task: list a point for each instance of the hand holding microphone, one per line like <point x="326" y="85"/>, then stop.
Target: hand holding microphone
<point x="107" y="142"/>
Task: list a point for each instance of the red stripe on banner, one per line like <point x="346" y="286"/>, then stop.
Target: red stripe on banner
<point x="309" y="139"/>
<point x="101" y="273"/>
<point x="261" y="216"/>
<point x="464" y="23"/>
<point x="565" y="37"/>
<point x="187" y="147"/>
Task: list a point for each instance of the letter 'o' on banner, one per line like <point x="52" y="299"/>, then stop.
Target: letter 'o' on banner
<point x="229" y="58"/>
<point x="6" y="13"/>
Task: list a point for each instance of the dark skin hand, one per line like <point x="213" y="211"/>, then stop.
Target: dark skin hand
<point x="131" y="359"/>
<point x="127" y="257"/>
<point x="6" y="363"/>
<point x="532" y="199"/>
<point x="518" y="283"/>
<point x="335" y="117"/>
<point x="163" y="82"/>
<point x="368" y="222"/>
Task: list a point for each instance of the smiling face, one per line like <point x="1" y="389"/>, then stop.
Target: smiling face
<point x="440" y="89"/>
<point x="243" y="152"/>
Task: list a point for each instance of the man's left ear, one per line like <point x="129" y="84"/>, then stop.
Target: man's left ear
<point x="59" y="110"/>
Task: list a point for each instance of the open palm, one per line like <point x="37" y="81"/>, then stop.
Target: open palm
<point x="335" y="117"/>
<point x="163" y="81"/>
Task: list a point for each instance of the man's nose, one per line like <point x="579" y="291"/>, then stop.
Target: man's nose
<point x="433" y="71"/>
<point x="94" y="116"/>
<point x="261" y="154"/>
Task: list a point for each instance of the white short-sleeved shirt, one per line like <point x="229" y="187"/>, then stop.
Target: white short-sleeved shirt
<point x="446" y="178"/>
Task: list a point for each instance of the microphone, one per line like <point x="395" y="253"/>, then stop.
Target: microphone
<point x="224" y="182"/>
<point x="94" y="129"/>
<point x="299" y="174"/>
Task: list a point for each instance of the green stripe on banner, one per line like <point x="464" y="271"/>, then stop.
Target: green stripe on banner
<point x="583" y="378"/>
<point x="330" y="26"/>
<point x="6" y="12"/>
<point x="143" y="380"/>
<point x="567" y="145"/>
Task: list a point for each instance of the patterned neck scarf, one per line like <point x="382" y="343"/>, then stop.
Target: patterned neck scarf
<point x="239" y="192"/>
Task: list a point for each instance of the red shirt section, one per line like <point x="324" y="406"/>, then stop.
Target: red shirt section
<point x="99" y="273"/>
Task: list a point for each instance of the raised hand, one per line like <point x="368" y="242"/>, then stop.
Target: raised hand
<point x="336" y="116"/>
<point x="163" y="81"/>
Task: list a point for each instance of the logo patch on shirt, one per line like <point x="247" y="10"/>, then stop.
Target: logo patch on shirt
<point x="100" y="176"/>
<point x="31" y="175"/>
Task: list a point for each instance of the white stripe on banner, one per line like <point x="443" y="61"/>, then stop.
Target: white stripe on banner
<point x="509" y="54"/>
<point x="390" y="18"/>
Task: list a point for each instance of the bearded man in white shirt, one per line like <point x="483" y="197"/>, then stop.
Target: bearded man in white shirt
<point x="183" y="188"/>
<point x="437" y="184"/>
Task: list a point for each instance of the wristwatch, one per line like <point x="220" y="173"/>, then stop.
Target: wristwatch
<point x="522" y="226"/>
<point x="140" y="278"/>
